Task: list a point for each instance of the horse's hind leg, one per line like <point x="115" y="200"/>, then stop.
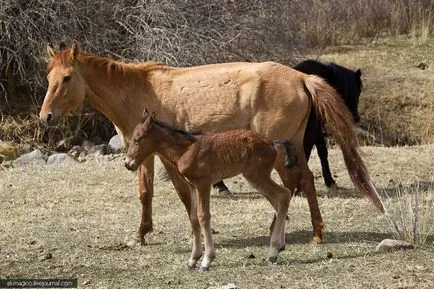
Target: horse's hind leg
<point x="321" y="148"/>
<point x="279" y="198"/>
<point x="303" y="176"/>
<point x="187" y="194"/>
<point x="223" y="189"/>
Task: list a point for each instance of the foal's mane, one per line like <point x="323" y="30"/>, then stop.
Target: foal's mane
<point x="105" y="64"/>
<point x="187" y="135"/>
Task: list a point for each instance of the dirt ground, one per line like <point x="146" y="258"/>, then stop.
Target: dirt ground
<point x="72" y="221"/>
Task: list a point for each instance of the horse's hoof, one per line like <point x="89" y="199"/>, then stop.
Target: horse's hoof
<point x="225" y="193"/>
<point x="318" y="240"/>
<point x="202" y="268"/>
<point x="331" y="184"/>
<point x="272" y="259"/>
<point x="191" y="265"/>
<point x="133" y="241"/>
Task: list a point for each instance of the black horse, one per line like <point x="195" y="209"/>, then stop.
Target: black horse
<point x="348" y="84"/>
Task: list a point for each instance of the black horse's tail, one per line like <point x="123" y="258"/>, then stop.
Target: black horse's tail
<point x="291" y="152"/>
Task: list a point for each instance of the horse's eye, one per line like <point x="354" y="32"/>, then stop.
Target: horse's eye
<point x="67" y="78"/>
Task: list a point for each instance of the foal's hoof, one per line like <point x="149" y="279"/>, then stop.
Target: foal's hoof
<point x="272" y="259"/>
<point x="203" y="268"/>
<point x="191" y="265"/>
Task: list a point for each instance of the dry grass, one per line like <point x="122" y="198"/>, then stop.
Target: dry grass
<point x="397" y="103"/>
<point x="411" y="214"/>
<point x="82" y="213"/>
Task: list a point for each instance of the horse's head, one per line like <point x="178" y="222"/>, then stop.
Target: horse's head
<point x="66" y="87"/>
<point x="141" y="145"/>
<point x="349" y="85"/>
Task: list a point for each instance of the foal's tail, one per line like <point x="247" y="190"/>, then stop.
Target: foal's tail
<point x="339" y="122"/>
<point x="291" y="152"/>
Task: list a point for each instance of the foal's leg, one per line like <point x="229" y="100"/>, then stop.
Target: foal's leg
<point x="187" y="194"/>
<point x="204" y="215"/>
<point x="146" y="190"/>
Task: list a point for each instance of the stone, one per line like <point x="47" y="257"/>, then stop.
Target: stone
<point x="389" y="245"/>
<point x="7" y="151"/>
<point x="115" y="144"/>
<point x="67" y="143"/>
<point x="102" y="149"/>
<point x="33" y="158"/>
<point x="75" y="151"/>
<point x="60" y="158"/>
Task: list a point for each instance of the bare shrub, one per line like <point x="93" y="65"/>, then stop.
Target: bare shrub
<point x="186" y="33"/>
<point x="410" y="213"/>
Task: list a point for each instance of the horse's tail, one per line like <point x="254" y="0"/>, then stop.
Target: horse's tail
<point x="339" y="122"/>
<point x="291" y="152"/>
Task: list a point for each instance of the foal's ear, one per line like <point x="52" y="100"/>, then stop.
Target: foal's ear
<point x="75" y="51"/>
<point x="358" y="73"/>
<point x="50" y="51"/>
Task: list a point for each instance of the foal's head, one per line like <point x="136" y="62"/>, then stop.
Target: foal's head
<point x="141" y="145"/>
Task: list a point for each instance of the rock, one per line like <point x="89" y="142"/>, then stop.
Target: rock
<point x="75" y="151"/>
<point x="67" y="143"/>
<point x="102" y="149"/>
<point x="115" y="144"/>
<point x="33" y="158"/>
<point x="60" y="158"/>
<point x="46" y="256"/>
<point x="422" y="65"/>
<point x="388" y="245"/>
<point x="7" y="152"/>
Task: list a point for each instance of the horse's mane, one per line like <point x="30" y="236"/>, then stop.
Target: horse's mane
<point x="187" y="135"/>
<point x="108" y="65"/>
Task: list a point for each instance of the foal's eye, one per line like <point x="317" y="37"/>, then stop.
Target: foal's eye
<point x="67" y="78"/>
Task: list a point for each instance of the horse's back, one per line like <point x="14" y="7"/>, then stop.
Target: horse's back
<point x="266" y="97"/>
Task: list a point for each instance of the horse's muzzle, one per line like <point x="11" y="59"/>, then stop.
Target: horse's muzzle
<point x="49" y="119"/>
<point x="130" y="164"/>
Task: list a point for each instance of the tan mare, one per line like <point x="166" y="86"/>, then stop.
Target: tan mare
<point x="269" y="98"/>
<point x="203" y="159"/>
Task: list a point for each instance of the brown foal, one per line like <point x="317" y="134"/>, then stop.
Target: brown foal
<point x="203" y="159"/>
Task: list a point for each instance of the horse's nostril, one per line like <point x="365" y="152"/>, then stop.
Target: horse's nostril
<point x="49" y="117"/>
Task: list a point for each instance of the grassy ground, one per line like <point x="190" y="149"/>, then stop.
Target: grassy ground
<point x="397" y="103"/>
<point x="82" y="213"/>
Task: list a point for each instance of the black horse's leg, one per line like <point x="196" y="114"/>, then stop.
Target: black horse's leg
<point x="323" y="154"/>
<point x="310" y="137"/>
<point x="221" y="187"/>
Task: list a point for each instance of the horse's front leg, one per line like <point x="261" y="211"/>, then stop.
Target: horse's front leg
<point x="146" y="191"/>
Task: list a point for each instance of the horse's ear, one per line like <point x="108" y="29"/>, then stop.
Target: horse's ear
<point x="75" y="51"/>
<point x="145" y="115"/>
<point x="50" y="51"/>
<point x="358" y="73"/>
